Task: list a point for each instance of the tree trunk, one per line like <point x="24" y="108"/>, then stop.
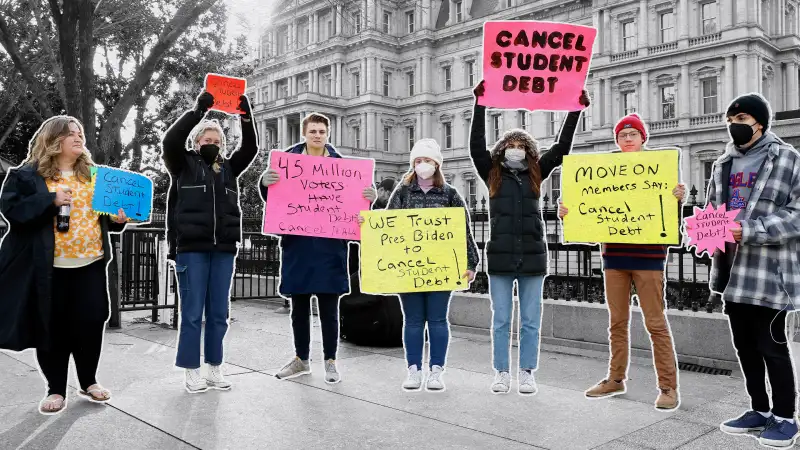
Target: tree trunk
<point x="66" y="23"/>
<point x="10" y="128"/>
<point x="186" y="14"/>
<point x="48" y="47"/>
<point x="86" y="50"/>
<point x="23" y="68"/>
<point x="136" y="144"/>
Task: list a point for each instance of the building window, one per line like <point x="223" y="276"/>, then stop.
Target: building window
<point x="628" y="103"/>
<point x="448" y="79"/>
<point x="668" y="102"/>
<point x="325" y="85"/>
<point x="552" y="123"/>
<point x="709" y="93"/>
<point x="330" y="28"/>
<point x="410" y="78"/>
<point x="302" y="86"/>
<point x="709" y="15"/>
<point x="522" y="118"/>
<point x="585" y="120"/>
<point x="555" y="187"/>
<point x="357" y="137"/>
<point x="448" y="135"/>
<point x="387" y="22"/>
<point x="357" y="21"/>
<point x="410" y="133"/>
<point x="472" y="194"/>
<point x="707" y="173"/>
<point x="357" y="84"/>
<point x="387" y="76"/>
<point x="471" y="73"/>
<point x="509" y="3"/>
<point x="496" y="127"/>
<point x="459" y="11"/>
<point x="283" y="90"/>
<point x="628" y="36"/>
<point x="410" y="21"/>
<point x="387" y="131"/>
<point x="667" y="22"/>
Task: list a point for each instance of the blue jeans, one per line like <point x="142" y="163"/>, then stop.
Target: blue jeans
<point x="421" y="307"/>
<point x="204" y="279"/>
<point x="530" y="306"/>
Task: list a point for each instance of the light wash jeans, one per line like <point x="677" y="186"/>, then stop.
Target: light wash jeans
<point x="530" y="305"/>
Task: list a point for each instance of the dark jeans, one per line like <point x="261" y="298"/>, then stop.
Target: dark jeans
<point x="757" y="348"/>
<point x="328" y="319"/>
<point x="430" y="307"/>
<point x="80" y="308"/>
<point x="204" y="279"/>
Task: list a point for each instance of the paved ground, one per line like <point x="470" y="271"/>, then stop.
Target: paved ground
<point x="151" y="410"/>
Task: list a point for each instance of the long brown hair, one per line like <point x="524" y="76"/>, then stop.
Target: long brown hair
<point x="496" y="173"/>
<point x="46" y="146"/>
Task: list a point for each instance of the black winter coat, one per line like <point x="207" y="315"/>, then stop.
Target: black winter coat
<point x="203" y="213"/>
<point x="26" y="262"/>
<point x="517" y="243"/>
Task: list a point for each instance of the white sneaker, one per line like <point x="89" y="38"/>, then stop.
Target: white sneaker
<point x="194" y="381"/>
<point x="294" y="368"/>
<point x="502" y="383"/>
<point x="527" y="383"/>
<point x="215" y="380"/>
<point x="331" y="374"/>
<point x="414" y="380"/>
<point x="435" y="382"/>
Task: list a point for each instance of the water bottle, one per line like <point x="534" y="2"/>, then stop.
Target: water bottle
<point x="62" y="219"/>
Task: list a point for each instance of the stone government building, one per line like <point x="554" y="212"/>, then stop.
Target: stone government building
<point x="388" y="73"/>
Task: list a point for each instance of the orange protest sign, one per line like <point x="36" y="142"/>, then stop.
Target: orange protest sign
<point x="226" y="92"/>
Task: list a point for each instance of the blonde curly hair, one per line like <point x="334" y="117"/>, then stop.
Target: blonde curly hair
<point x="45" y="147"/>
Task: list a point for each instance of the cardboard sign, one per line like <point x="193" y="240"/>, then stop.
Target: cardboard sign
<point x="413" y="250"/>
<point x="226" y="92"/>
<point x="710" y="228"/>
<point x="117" y="188"/>
<point x="317" y="196"/>
<point x="535" y="65"/>
<point x="621" y="197"/>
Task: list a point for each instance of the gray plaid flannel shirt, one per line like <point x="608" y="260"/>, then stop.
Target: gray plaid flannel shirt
<point x="766" y="268"/>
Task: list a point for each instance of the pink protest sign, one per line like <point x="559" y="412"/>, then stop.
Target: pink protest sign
<point x="709" y="228"/>
<point x="535" y="65"/>
<point x="317" y="196"/>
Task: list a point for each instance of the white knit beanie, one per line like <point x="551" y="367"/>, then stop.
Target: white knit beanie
<point x="427" y="148"/>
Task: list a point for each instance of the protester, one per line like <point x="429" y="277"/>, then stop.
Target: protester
<point x="385" y="189"/>
<point x="517" y="251"/>
<point x="313" y="266"/>
<point x="54" y="283"/>
<point x="759" y="275"/>
<point x="644" y="265"/>
<point x="425" y="187"/>
<point x="204" y="230"/>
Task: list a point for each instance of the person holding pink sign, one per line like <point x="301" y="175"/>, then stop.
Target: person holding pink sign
<point x="313" y="266"/>
<point x="204" y="228"/>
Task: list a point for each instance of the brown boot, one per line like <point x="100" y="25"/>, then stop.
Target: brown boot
<point x="667" y="399"/>
<point x="606" y="388"/>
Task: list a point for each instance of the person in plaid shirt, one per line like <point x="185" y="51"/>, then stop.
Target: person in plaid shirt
<point x="759" y="275"/>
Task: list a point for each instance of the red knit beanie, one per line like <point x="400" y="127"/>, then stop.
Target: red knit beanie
<point x="630" y="121"/>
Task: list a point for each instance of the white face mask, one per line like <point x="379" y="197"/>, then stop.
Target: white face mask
<point x="425" y="170"/>
<point x="515" y="154"/>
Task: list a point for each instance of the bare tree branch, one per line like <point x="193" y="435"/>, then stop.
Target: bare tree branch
<point x="10" y="128"/>
<point x="24" y="70"/>
<point x="45" y="37"/>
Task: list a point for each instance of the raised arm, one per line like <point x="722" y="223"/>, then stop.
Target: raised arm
<point x="22" y="205"/>
<point x="247" y="152"/>
<point x="481" y="158"/>
<point x="554" y="156"/>
<point x="173" y="145"/>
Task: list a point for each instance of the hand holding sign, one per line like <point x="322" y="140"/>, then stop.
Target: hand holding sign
<point x="710" y="228"/>
<point x="226" y="92"/>
<point x="117" y="189"/>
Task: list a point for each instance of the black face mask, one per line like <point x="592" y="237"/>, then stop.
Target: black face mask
<point x="741" y="133"/>
<point x="209" y="152"/>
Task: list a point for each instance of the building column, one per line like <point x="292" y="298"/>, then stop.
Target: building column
<point x="644" y="97"/>
<point x="368" y="76"/>
<point x="282" y="132"/>
<point x="755" y="73"/>
<point x="339" y="77"/>
<point x="643" y="24"/>
<point x="728" y="77"/>
<point x="741" y="75"/>
<point x="337" y="20"/>
<point x="371" y="131"/>
<point x="607" y="101"/>
<point x="781" y="14"/>
<point x="426" y="73"/>
<point x="726" y="16"/>
<point x="606" y="32"/>
<point x="426" y="14"/>
<point x="792" y="86"/>
<point x="597" y="117"/>
<point x="598" y="40"/>
<point x="684" y="105"/>
<point x="683" y="19"/>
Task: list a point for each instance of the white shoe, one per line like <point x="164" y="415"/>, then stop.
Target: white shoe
<point x="194" y="381"/>
<point x="435" y="382"/>
<point x="414" y="380"/>
<point x="502" y="383"/>
<point x="527" y="383"/>
<point x="215" y="380"/>
<point x="331" y="374"/>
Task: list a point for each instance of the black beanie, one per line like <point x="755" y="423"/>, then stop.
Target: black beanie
<point x="753" y="104"/>
<point x="387" y="184"/>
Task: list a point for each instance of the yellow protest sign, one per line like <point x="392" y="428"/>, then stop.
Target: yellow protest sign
<point x="413" y="250"/>
<point x="621" y="197"/>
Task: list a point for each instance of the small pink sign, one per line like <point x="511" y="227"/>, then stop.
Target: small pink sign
<point x="317" y="196"/>
<point x="710" y="228"/>
<point x="535" y="65"/>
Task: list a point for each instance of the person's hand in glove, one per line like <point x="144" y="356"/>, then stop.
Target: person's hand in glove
<point x="204" y="102"/>
<point x="584" y="98"/>
<point x="244" y="106"/>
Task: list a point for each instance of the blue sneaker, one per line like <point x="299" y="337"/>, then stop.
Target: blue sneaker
<point x="778" y="433"/>
<point x="749" y="421"/>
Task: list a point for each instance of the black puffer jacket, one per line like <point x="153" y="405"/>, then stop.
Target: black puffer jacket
<point x="203" y="213"/>
<point x="517" y="244"/>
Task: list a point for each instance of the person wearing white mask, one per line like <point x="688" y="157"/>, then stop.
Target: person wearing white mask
<point x="514" y="171"/>
<point x="425" y="187"/>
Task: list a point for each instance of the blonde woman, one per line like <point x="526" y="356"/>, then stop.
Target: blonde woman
<point x="55" y="296"/>
<point x="203" y="230"/>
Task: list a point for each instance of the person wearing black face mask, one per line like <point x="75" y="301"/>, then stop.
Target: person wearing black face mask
<point x="203" y="230"/>
<point x="759" y="275"/>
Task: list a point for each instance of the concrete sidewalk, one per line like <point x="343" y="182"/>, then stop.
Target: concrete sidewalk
<point x="151" y="410"/>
